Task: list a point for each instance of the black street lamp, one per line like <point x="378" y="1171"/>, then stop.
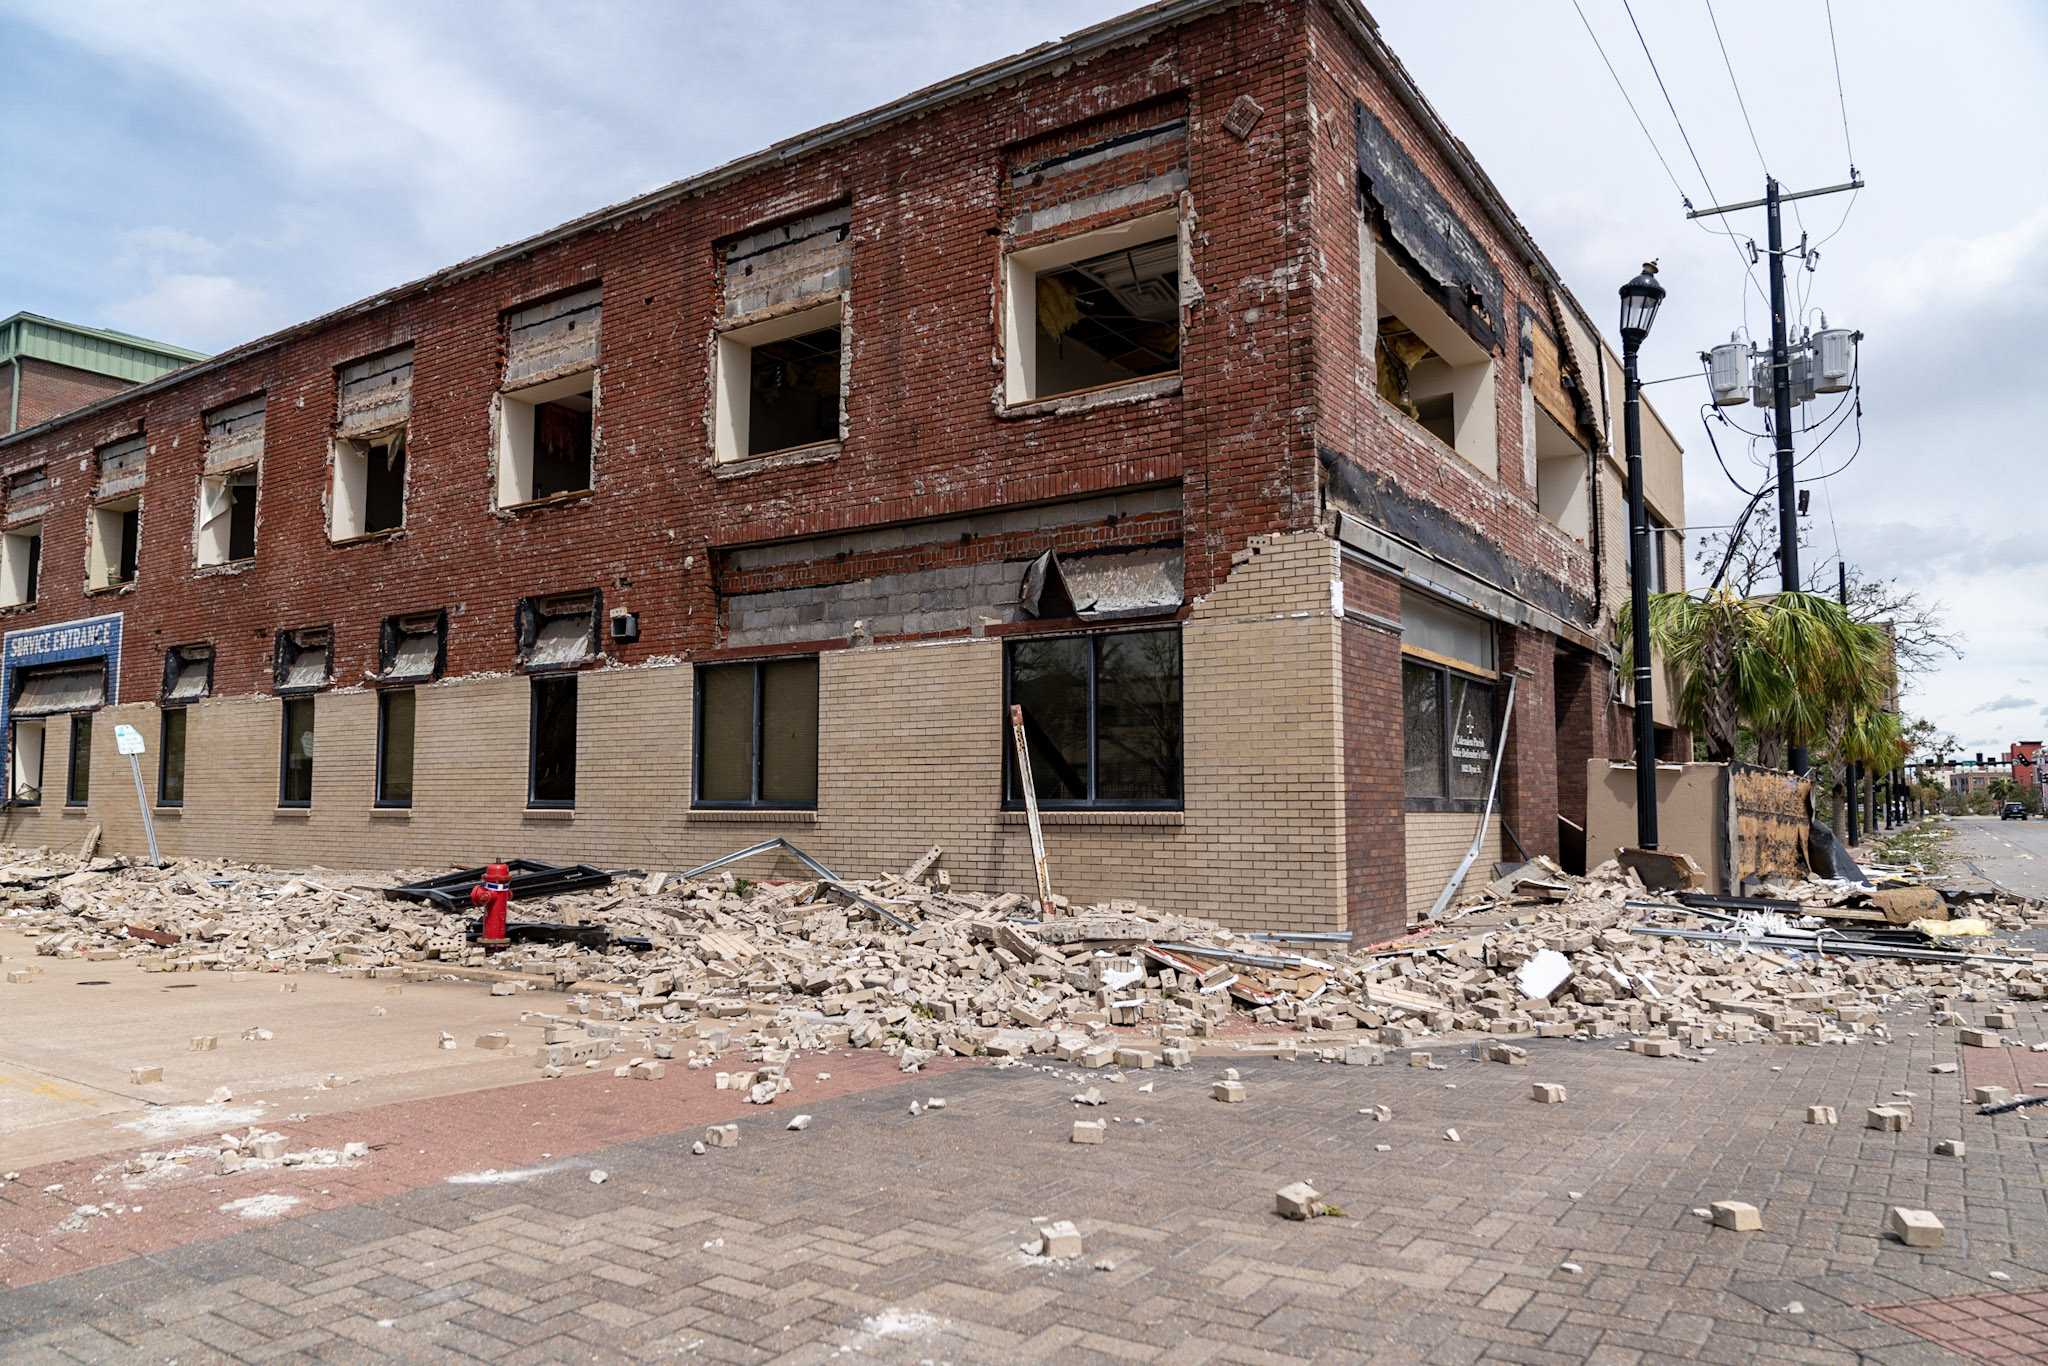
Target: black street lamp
<point x="1640" y="298"/>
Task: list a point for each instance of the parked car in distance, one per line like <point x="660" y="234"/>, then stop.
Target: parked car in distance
<point x="2012" y="811"/>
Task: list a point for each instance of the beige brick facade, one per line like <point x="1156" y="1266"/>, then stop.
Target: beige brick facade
<point x="1436" y="841"/>
<point x="911" y="755"/>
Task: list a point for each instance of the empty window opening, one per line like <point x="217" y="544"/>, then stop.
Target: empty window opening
<point x="396" y="708"/>
<point x="779" y="384"/>
<point x="25" y="764"/>
<point x="116" y="544"/>
<point x="227" y="517"/>
<point x="170" y="757"/>
<point x="78" y="775"/>
<point x="1099" y="309"/>
<point x="295" y="758"/>
<point x="21" y="562"/>
<point x="412" y="649"/>
<point x="551" y="751"/>
<point x="545" y="440"/>
<point x="1562" y="473"/>
<point x="1428" y="367"/>
<point x="757" y="734"/>
<point x="558" y="631"/>
<point x="1102" y="719"/>
<point x="304" y="659"/>
<point x="369" y="485"/>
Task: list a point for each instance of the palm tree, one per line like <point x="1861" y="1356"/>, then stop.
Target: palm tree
<point x="1790" y="664"/>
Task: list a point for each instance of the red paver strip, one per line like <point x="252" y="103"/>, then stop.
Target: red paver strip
<point x="1997" y="1327"/>
<point x="415" y="1143"/>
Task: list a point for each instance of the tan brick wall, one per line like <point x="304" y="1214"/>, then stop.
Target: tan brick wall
<point x="910" y="756"/>
<point x="1436" y="841"/>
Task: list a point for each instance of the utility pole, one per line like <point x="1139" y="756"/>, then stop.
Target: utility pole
<point x="1781" y="386"/>
<point x="1853" y="773"/>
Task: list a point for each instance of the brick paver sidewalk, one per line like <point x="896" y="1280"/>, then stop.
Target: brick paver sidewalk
<point x="898" y="1237"/>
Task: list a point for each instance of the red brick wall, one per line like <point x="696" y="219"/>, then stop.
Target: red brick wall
<point x="49" y="391"/>
<point x="1350" y="418"/>
<point x="924" y="438"/>
<point x="1375" y="829"/>
<point x="1529" y="781"/>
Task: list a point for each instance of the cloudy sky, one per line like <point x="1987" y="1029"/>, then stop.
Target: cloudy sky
<point x="208" y="174"/>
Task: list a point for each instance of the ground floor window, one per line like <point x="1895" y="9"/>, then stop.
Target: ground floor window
<point x="1448" y="725"/>
<point x="295" y="759"/>
<point x="78" y="776"/>
<point x="1102" y="718"/>
<point x="395" y="710"/>
<point x="170" y="757"/>
<point x="25" y="764"/>
<point x="551" y="747"/>
<point x="757" y="734"/>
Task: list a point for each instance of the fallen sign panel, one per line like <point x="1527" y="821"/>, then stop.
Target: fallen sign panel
<point x="450" y="891"/>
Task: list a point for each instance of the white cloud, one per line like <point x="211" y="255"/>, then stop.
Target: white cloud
<point x="207" y="312"/>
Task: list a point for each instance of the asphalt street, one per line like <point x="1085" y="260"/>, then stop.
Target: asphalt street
<point x="2013" y="854"/>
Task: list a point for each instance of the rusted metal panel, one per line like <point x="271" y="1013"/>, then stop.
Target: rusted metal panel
<point x="554" y="338"/>
<point x="1772" y="815"/>
<point x="375" y="393"/>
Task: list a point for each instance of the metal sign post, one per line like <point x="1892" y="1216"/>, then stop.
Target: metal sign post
<point x="1031" y="811"/>
<point x="128" y="741"/>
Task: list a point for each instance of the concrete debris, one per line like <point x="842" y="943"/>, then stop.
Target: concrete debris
<point x="1949" y="1147"/>
<point x="762" y="970"/>
<point x="1913" y="1227"/>
<point x="1090" y="1131"/>
<point x="599" y="1177"/>
<point x="1298" y="1201"/>
<point x="1059" y="1239"/>
<point x="799" y="1124"/>
<point x="723" y="1135"/>
<point x="1547" y="1093"/>
<point x="1822" y="1114"/>
<point x="145" y="1076"/>
<point x="1734" y="1214"/>
<point x="1886" y="1118"/>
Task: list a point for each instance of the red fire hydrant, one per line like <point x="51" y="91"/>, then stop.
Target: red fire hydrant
<point x="492" y="894"/>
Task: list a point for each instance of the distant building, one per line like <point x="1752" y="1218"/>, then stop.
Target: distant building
<point x="2025" y="758"/>
<point x="48" y="368"/>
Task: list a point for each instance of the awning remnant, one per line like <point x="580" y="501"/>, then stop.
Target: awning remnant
<point x="1103" y="586"/>
<point x="51" y="691"/>
<point x="830" y="878"/>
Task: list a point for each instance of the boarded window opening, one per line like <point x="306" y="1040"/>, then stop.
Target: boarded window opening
<point x="559" y="631"/>
<point x="412" y="649"/>
<point x="27" y="485"/>
<point x="55" y="689"/>
<point x="779" y="384"/>
<point x="757" y="734"/>
<point x="295" y="759"/>
<point x="304" y="660"/>
<point x="551" y="752"/>
<point x="21" y="556"/>
<point x="122" y="464"/>
<point x="545" y="438"/>
<point x="188" y="674"/>
<point x="1102" y="717"/>
<point x="78" y="776"/>
<point x="396" y="710"/>
<point x="170" y="757"/>
<point x="115" y="548"/>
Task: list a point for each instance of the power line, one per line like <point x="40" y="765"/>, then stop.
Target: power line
<point x="1740" y="103"/>
<point x="1840" y="98"/>
<point x="1682" y="195"/>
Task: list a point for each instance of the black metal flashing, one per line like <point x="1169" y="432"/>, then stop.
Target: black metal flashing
<point x="1426" y="235"/>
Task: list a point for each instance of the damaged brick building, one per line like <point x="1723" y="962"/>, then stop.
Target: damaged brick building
<point x="1183" y="381"/>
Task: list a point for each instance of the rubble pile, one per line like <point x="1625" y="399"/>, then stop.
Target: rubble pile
<point x="912" y="965"/>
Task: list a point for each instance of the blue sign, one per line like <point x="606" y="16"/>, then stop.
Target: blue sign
<point x="66" y="642"/>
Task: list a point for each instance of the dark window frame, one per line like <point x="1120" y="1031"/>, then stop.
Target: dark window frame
<point x="74" y="798"/>
<point x="758" y="743"/>
<point x="378" y="798"/>
<point x="1093" y="802"/>
<point x="535" y="682"/>
<point x="163" y="753"/>
<point x="1443" y="673"/>
<point x="284" y="746"/>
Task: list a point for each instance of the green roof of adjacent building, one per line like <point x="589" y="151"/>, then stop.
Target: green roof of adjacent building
<point x="117" y="354"/>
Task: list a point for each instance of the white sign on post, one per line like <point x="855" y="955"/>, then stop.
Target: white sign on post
<point x="128" y="741"/>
